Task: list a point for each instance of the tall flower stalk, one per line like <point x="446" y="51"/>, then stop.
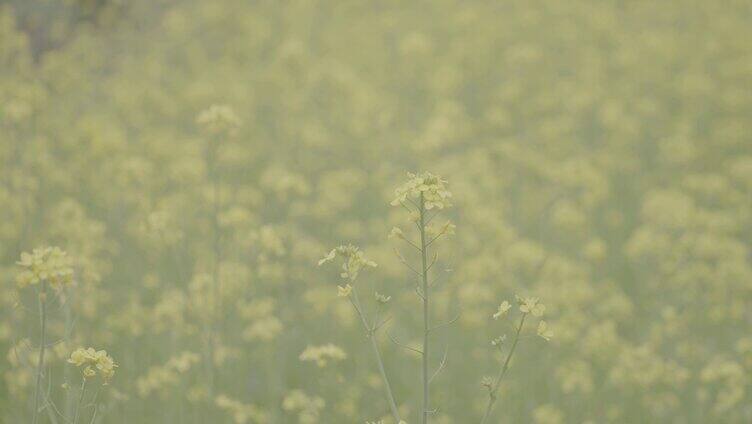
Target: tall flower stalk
<point x="426" y="307"/>
<point x="44" y="267"/>
<point x="353" y="261"/>
<point x="42" y="300"/>
<point x="422" y="196"/>
<point x="94" y="362"/>
<point x="527" y="306"/>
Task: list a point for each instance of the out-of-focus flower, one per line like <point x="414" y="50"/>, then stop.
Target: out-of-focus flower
<point x="307" y="407"/>
<point x="382" y="299"/>
<point x="164" y="376"/>
<point x="353" y="261"/>
<point x="50" y="264"/>
<point x="531" y="305"/>
<point x="328" y="257"/>
<point x="344" y="291"/>
<point x="241" y="413"/>
<point x="396" y="233"/>
<point x="544" y="332"/>
<point x="499" y="340"/>
<point x="504" y="308"/>
<point x="219" y="120"/>
<point x="321" y="355"/>
<point x="448" y="229"/>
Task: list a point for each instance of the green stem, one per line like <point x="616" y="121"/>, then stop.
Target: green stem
<point x="68" y="407"/>
<point x="96" y="407"/>
<point x="426" y="322"/>
<point x="42" y="346"/>
<point x="371" y="332"/>
<point x="492" y="394"/>
<point x="80" y="401"/>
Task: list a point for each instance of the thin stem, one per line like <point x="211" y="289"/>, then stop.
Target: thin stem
<point x="436" y="237"/>
<point x="492" y="394"/>
<point x="42" y="347"/>
<point x="68" y="406"/>
<point x="426" y="322"/>
<point x="404" y="346"/>
<point x="96" y="407"/>
<point x="48" y="404"/>
<point x="371" y="333"/>
<point x="404" y="262"/>
<point x="387" y="386"/>
<point x="80" y="401"/>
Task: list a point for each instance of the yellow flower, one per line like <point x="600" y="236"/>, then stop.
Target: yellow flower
<point x="504" y="307"/>
<point x="95" y="361"/>
<point x="329" y="257"/>
<point x="50" y="264"/>
<point x="78" y="357"/>
<point x="544" y="332"/>
<point x="89" y="372"/>
<point x="430" y="187"/>
<point x="321" y="355"/>
<point x="382" y="298"/>
<point x="531" y="305"/>
<point x="396" y="233"/>
<point x="499" y="340"/>
<point x="344" y="291"/>
<point x="353" y="260"/>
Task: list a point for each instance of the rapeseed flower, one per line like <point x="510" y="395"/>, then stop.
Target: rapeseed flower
<point x="50" y="264"/>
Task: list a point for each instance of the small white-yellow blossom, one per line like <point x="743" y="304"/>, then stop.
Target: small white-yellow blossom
<point x="382" y="299"/>
<point x="431" y="188"/>
<point x="499" y="340"/>
<point x="353" y="261"/>
<point x="396" y="233"/>
<point x="544" y="332"/>
<point x="531" y="305"/>
<point x="344" y="291"/>
<point x="504" y="308"/>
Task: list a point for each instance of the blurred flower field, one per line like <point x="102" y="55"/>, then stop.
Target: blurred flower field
<point x="172" y="173"/>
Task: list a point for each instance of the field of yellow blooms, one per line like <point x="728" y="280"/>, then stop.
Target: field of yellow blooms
<point x="324" y="212"/>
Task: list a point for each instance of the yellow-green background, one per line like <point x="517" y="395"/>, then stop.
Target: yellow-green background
<point x="611" y="138"/>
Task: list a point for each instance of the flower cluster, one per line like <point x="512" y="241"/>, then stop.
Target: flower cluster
<point x="526" y="305"/>
<point x="531" y="305"/>
<point x="353" y="261"/>
<point x="242" y="413"/>
<point x="430" y="187"/>
<point x="321" y="355"/>
<point x="95" y="361"/>
<point x="50" y="264"/>
<point x="167" y="375"/>
<point x="307" y="407"/>
<point x="219" y="120"/>
<point x="642" y="242"/>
